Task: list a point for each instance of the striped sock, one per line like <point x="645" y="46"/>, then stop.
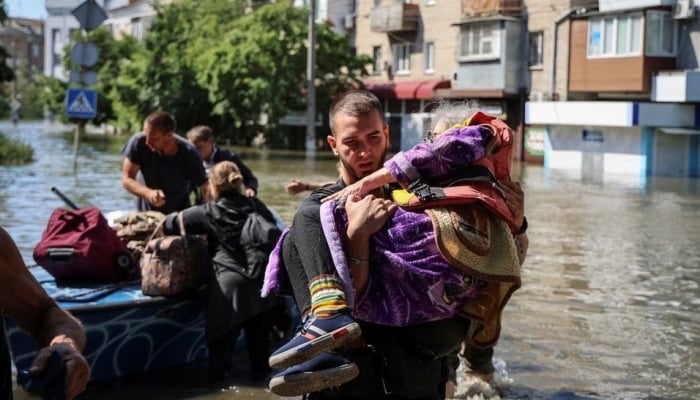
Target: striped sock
<point x="327" y="296"/>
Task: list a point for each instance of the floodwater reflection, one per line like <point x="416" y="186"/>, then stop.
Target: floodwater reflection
<point x="610" y="290"/>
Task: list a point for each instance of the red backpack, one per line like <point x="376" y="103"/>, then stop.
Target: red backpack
<point x="79" y="245"/>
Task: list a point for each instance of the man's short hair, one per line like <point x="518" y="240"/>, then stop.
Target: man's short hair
<point x="200" y="133"/>
<point x="162" y="121"/>
<point x="354" y="103"/>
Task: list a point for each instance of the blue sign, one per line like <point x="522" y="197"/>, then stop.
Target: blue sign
<point x="81" y="103"/>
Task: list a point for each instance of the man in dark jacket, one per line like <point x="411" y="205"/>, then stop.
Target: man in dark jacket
<point x="202" y="137"/>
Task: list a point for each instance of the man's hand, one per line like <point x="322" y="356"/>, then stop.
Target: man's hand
<point x="296" y="186"/>
<point x="77" y="368"/>
<point x="156" y="197"/>
<point x="367" y="215"/>
<point x="249" y="192"/>
<point x="515" y="199"/>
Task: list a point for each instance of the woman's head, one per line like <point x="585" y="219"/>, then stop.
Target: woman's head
<point x="224" y="178"/>
<point x="449" y="113"/>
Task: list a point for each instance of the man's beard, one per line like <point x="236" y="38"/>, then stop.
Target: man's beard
<point x="355" y="175"/>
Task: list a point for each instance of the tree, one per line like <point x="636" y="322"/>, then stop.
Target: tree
<point x="235" y="68"/>
<point x="6" y="73"/>
<point x="112" y="55"/>
<point x="257" y="70"/>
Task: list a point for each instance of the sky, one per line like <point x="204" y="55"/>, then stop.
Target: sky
<point x="26" y="8"/>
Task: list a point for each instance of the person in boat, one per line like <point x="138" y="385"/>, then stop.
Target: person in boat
<point x="234" y="301"/>
<point x="54" y="329"/>
<point x="161" y="168"/>
<point x="456" y="288"/>
<point x="202" y="138"/>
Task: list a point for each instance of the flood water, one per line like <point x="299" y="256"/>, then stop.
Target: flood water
<point x="610" y="286"/>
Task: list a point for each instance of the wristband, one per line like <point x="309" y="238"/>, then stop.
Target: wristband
<point x="353" y="260"/>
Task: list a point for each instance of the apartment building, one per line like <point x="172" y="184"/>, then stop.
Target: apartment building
<point x="623" y="100"/>
<point x="23" y="39"/>
<point x="427" y="50"/>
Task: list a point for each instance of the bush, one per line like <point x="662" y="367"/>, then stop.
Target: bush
<point x="13" y="152"/>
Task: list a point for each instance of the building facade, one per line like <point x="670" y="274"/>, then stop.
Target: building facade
<point x="628" y="105"/>
<point x="429" y="50"/>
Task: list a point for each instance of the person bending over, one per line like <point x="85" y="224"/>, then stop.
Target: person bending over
<point x="161" y="168"/>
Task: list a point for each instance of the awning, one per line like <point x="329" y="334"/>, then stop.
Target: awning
<point x="421" y="90"/>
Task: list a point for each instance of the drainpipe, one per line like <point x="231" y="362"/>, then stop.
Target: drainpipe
<point x="555" y="28"/>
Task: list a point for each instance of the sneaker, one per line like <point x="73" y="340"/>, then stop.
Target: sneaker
<point x="323" y="371"/>
<point x="316" y="336"/>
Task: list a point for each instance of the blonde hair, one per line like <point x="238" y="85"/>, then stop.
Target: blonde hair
<point x="225" y="177"/>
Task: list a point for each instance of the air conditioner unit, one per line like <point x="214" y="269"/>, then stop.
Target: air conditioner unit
<point x="349" y="22"/>
<point x="683" y="9"/>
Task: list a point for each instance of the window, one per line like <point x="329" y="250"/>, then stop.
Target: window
<point x="661" y="34"/>
<point x="378" y="62"/>
<point x="430" y="2"/>
<point x="480" y="40"/>
<point x="615" y="35"/>
<point x="429" y="57"/>
<point x="536" y="49"/>
<point x="402" y="58"/>
<point x="137" y="28"/>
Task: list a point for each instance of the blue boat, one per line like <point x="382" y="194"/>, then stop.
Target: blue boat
<point x="127" y="331"/>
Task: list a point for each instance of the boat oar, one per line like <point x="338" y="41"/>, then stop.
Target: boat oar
<point x="65" y="199"/>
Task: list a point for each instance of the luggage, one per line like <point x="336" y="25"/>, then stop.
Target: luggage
<point x="79" y="245"/>
<point x="174" y="264"/>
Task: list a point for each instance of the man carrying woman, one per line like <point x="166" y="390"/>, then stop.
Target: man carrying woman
<point x="410" y="361"/>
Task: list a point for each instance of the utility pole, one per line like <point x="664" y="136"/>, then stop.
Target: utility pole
<point x="310" y="78"/>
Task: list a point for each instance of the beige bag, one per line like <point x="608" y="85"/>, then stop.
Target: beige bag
<point x="175" y="264"/>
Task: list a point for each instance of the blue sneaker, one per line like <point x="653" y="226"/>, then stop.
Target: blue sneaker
<point x="323" y="371"/>
<point x="316" y="336"/>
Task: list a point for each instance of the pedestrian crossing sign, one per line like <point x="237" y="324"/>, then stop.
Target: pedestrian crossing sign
<point x="81" y="103"/>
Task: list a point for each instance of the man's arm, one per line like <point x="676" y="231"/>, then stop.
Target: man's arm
<point x="366" y="216"/>
<point x="153" y="196"/>
<point x="23" y="298"/>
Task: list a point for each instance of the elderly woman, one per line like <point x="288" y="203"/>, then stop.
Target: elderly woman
<point x="234" y="302"/>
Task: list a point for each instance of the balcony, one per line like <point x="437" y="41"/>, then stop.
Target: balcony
<point x="676" y="86"/>
<point x="486" y="8"/>
<point x="394" y="18"/>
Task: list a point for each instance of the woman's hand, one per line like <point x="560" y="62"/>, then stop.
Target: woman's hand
<point x="515" y="199"/>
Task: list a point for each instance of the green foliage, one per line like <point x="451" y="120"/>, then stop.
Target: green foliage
<point x="113" y="54"/>
<point x="6" y="74"/>
<point x="258" y="68"/>
<point x="13" y="152"/>
<point x="219" y="63"/>
<point x="52" y="95"/>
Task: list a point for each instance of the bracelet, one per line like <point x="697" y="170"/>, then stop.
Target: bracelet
<point x="306" y="186"/>
<point x="523" y="227"/>
<point x="353" y="260"/>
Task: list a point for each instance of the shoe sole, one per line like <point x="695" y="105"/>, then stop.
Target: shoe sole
<point x="312" y="348"/>
<point x="309" y="382"/>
